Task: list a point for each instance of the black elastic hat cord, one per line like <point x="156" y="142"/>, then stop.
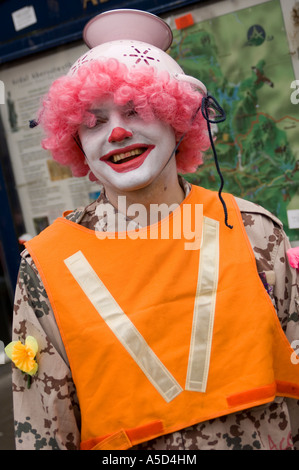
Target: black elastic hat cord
<point x="78" y="142"/>
<point x="209" y="102"/>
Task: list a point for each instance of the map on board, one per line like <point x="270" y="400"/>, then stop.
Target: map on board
<point x="243" y="58"/>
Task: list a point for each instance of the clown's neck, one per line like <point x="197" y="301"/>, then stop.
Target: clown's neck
<point x="161" y="191"/>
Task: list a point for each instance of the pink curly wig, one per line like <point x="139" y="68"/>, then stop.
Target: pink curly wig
<point x="154" y="95"/>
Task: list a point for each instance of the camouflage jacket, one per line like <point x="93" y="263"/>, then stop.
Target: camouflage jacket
<point x="47" y="416"/>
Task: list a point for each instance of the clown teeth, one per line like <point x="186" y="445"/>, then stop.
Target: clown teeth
<point x="121" y="156"/>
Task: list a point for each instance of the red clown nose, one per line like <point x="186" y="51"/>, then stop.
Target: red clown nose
<point x="118" y="134"/>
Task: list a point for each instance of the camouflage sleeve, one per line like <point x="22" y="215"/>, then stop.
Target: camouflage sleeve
<point x="47" y="414"/>
<point x="270" y="245"/>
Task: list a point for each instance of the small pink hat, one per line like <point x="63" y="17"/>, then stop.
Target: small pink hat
<point x="135" y="38"/>
<point x="128" y="24"/>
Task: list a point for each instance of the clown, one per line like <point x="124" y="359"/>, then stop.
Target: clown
<point x="141" y="98"/>
<point x="143" y="343"/>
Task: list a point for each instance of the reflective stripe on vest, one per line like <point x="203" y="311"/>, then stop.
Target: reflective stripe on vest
<point x="122" y="327"/>
<point x="173" y="339"/>
<point x="132" y="340"/>
<point x="204" y="308"/>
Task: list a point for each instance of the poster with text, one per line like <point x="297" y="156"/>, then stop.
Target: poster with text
<point x="46" y="189"/>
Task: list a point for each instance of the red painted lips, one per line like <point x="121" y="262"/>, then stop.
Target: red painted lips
<point x="127" y="158"/>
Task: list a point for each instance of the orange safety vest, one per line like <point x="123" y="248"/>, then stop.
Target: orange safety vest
<point x="160" y="334"/>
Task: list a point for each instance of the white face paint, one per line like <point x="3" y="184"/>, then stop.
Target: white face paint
<point x="124" y="152"/>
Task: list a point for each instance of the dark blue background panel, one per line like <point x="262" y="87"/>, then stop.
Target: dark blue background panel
<point x="62" y="21"/>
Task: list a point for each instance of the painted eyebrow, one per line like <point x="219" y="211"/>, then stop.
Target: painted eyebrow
<point x="127" y="107"/>
<point x="100" y="111"/>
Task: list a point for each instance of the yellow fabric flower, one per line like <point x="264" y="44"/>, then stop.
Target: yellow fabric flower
<point x="23" y="355"/>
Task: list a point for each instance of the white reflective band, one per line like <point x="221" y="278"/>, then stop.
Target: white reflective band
<point x="204" y="308"/>
<point x="122" y="327"/>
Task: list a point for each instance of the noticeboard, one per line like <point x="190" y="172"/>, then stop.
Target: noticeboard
<point x="43" y="24"/>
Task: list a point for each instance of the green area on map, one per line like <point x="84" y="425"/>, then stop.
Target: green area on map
<point x="243" y="59"/>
